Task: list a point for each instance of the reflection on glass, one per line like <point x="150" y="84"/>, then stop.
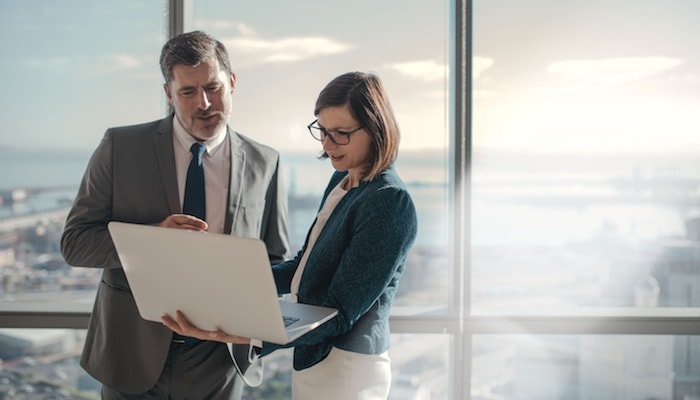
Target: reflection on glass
<point x="44" y="364"/>
<point x="418" y="365"/>
<point x="586" y="367"/>
<point x="282" y="65"/>
<point x="75" y="69"/>
<point x="585" y="173"/>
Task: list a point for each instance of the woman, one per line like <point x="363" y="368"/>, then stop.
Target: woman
<point x="355" y="251"/>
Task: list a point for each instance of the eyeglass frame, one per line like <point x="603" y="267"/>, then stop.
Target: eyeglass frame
<point x="324" y="133"/>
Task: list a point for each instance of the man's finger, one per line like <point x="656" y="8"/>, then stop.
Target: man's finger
<point x="184" y="219"/>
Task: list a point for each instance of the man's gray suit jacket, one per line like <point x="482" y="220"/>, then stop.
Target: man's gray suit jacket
<point x="131" y="178"/>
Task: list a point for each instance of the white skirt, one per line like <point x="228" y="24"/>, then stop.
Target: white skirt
<point x="344" y="375"/>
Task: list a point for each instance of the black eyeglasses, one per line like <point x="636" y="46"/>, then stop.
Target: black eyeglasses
<point x="340" y="138"/>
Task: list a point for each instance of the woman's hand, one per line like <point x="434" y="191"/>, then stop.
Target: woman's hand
<point x="184" y="327"/>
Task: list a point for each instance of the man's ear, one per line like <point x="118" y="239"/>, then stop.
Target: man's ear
<point x="166" y="87"/>
<point x="233" y="81"/>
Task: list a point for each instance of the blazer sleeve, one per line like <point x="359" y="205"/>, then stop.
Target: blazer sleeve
<point x="85" y="241"/>
<point x="275" y="232"/>
<point x="383" y="233"/>
<point x="284" y="273"/>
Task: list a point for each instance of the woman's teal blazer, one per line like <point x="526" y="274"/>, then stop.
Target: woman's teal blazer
<point x="354" y="266"/>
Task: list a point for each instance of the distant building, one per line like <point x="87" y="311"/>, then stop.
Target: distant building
<point x="678" y="273"/>
<point x="7" y="258"/>
<point x="617" y="367"/>
<point x="16" y="343"/>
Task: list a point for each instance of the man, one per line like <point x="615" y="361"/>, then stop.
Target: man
<point x="152" y="174"/>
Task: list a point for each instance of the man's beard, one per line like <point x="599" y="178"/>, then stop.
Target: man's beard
<point x="207" y="129"/>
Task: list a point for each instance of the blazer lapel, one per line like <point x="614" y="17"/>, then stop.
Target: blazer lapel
<point x="163" y="142"/>
<point x="236" y="180"/>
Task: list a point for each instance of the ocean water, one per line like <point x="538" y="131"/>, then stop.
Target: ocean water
<point x="41" y="168"/>
<point x="545" y="231"/>
<point x="515" y="200"/>
<point x="54" y="175"/>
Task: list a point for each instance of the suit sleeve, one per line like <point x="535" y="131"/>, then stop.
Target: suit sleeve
<point x="284" y="273"/>
<point x="381" y="237"/>
<point x="85" y="241"/>
<point x="275" y="231"/>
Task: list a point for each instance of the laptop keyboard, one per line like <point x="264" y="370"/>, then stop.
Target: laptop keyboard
<point x="289" y="320"/>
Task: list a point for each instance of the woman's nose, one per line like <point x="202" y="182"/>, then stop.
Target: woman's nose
<point x="328" y="143"/>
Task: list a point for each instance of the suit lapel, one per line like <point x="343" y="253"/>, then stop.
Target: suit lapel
<point x="163" y="142"/>
<point x="236" y="179"/>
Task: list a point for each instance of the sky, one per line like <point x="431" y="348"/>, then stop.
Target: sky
<point x="618" y="76"/>
<point x="79" y="67"/>
<point x="595" y="76"/>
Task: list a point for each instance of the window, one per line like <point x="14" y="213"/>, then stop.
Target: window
<point x="44" y="363"/>
<point x="585" y="172"/>
<point x="584" y="206"/>
<point x="585" y="367"/>
<point x="282" y="64"/>
<point x="70" y="72"/>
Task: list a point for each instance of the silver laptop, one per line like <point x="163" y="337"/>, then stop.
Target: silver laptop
<point x="219" y="281"/>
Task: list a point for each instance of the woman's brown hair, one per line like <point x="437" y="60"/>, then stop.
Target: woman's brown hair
<point x="366" y="98"/>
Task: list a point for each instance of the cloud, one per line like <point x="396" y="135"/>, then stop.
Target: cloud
<point x="612" y="70"/>
<point x="691" y="78"/>
<point x="250" y="48"/>
<point x="256" y="50"/>
<point x="102" y="64"/>
<point x="225" y="25"/>
<point x="479" y="65"/>
<point x="122" y="61"/>
<point x="49" y="62"/>
<point x="427" y="70"/>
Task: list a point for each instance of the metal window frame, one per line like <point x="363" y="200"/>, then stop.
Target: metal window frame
<point x="459" y="323"/>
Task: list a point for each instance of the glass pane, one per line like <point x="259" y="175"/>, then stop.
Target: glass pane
<point x="586" y="180"/>
<point x="418" y="366"/>
<point x="284" y="58"/>
<point x="71" y="69"/>
<point x="597" y="367"/>
<point x="44" y="364"/>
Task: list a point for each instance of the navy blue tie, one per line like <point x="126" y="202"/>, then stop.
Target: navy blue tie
<point x="194" y="202"/>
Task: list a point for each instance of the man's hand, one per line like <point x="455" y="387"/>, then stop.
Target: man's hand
<point x="184" y="327"/>
<point x="184" y="221"/>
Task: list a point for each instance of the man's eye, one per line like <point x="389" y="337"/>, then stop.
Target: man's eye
<point x="213" y="88"/>
<point x="187" y="93"/>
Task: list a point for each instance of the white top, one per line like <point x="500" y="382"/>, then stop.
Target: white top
<point x="216" y="160"/>
<point x="332" y="201"/>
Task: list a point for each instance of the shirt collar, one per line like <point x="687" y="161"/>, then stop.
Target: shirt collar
<point x="185" y="140"/>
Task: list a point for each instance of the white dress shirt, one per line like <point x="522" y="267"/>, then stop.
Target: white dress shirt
<point x="216" y="160"/>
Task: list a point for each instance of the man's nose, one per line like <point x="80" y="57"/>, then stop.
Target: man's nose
<point x="203" y="100"/>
